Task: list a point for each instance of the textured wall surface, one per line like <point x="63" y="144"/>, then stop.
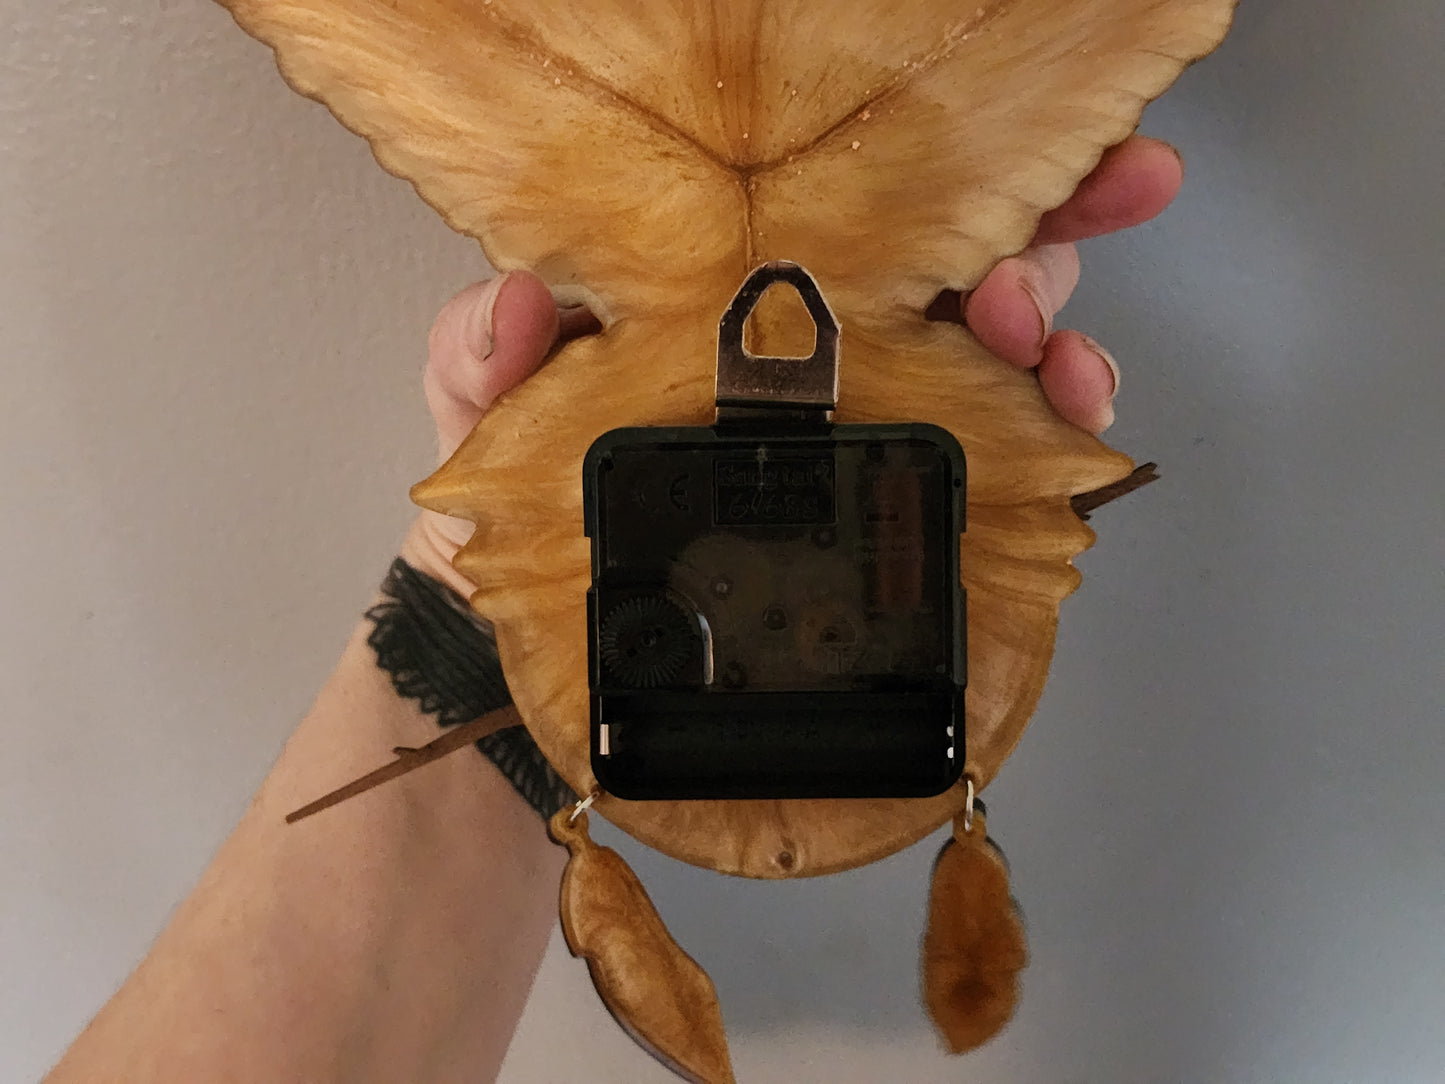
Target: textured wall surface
<point x="1225" y="823"/>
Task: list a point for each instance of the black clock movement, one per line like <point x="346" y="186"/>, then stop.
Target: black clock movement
<point x="775" y="608"/>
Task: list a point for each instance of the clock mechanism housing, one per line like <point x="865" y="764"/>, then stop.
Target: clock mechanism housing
<point x="776" y="608"/>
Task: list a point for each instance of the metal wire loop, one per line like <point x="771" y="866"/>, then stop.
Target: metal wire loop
<point x="585" y="804"/>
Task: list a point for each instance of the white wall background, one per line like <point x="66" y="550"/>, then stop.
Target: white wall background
<point x="1226" y="823"/>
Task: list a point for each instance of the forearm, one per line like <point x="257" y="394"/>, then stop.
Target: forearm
<point x="392" y="938"/>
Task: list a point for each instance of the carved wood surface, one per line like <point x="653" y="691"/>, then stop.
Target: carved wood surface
<point x="654" y="989"/>
<point x="643" y="156"/>
<point x="974" y="946"/>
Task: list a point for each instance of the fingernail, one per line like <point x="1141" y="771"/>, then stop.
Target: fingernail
<point x="1108" y="359"/>
<point x="479" y="324"/>
<point x="1178" y="157"/>
<point x="1045" y="310"/>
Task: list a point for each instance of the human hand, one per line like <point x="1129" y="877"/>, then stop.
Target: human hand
<point x="1012" y="311"/>
<point x="486" y="340"/>
<point x="494" y="334"/>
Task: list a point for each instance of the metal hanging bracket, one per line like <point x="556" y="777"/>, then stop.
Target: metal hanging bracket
<point x="749" y="386"/>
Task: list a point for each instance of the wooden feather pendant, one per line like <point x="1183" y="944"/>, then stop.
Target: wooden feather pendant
<point x="654" y="989"/>
<point x="974" y="948"/>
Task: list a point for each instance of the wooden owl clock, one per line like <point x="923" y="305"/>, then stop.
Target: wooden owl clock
<point x="647" y="157"/>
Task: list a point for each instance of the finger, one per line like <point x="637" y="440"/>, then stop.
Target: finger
<point x="487" y="339"/>
<point x="1132" y="183"/>
<point x="1012" y="311"/>
<point x="576" y="321"/>
<point x="1080" y="379"/>
<point x="490" y="337"/>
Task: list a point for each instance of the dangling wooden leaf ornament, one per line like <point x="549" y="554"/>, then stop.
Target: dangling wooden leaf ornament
<point x="654" y="989"/>
<point x="644" y="156"/>
<point x="974" y="946"/>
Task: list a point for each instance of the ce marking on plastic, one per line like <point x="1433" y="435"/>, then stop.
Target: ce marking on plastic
<point x="677" y="493"/>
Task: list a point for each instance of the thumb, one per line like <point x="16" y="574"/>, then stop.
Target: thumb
<point x="486" y="341"/>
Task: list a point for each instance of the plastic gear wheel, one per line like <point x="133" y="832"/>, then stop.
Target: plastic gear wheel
<point x="645" y="641"/>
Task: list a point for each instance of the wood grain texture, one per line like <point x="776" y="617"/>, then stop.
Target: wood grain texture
<point x="655" y="990"/>
<point x="974" y="947"/>
<point x="643" y="156"/>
